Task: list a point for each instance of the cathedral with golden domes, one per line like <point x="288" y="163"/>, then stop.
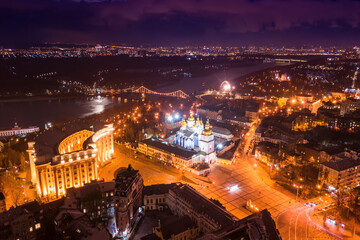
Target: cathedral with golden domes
<point x="194" y="135"/>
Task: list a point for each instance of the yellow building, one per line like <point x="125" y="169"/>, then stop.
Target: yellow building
<point x="69" y="156"/>
<point x="175" y="156"/>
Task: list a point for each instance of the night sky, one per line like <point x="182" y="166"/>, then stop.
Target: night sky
<point x="180" y="22"/>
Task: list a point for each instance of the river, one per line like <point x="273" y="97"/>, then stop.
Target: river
<point x="37" y="113"/>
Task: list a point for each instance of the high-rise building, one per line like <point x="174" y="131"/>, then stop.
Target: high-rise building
<point x="128" y="199"/>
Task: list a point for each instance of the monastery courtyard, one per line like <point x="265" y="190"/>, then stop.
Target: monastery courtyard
<point x="250" y="185"/>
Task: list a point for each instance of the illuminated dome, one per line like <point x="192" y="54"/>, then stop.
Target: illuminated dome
<point x="184" y="123"/>
<point x="207" y="130"/>
<point x="191" y="118"/>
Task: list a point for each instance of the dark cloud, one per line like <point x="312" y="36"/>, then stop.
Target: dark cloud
<point x="180" y="22"/>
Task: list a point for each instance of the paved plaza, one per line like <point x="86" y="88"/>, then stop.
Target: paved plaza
<point x="152" y="173"/>
<point x="251" y="187"/>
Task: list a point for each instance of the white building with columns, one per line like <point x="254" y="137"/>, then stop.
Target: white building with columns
<point x="68" y="156"/>
<point x="194" y="135"/>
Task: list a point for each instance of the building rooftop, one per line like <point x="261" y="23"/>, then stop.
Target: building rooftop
<point x="342" y="165"/>
<point x="187" y="154"/>
<point x="198" y="202"/>
<point x="125" y="177"/>
<point x="90" y="189"/>
<point x="78" y="226"/>
<point x="268" y="148"/>
<point x="151" y="236"/>
<point x="202" y="205"/>
<point x="221" y="130"/>
<point x="176" y="226"/>
<point x="256" y="226"/>
<point x="32" y="208"/>
<point x="46" y="143"/>
<point x="158" y="189"/>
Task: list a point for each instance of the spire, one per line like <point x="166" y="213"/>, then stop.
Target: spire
<point x="207" y="125"/>
<point x="184" y="123"/>
<point x="207" y="131"/>
<point x="191" y="118"/>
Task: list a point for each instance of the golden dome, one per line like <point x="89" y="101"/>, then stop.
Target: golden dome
<point x="207" y="130"/>
<point x="191" y="118"/>
<point x="184" y="123"/>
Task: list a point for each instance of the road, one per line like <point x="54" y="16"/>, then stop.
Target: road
<point x="294" y="224"/>
<point x="151" y="173"/>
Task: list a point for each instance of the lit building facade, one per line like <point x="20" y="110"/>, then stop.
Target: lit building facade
<point x="128" y="199"/>
<point x="69" y="156"/>
<point x="341" y="174"/>
<point x="180" y="158"/>
<point x="189" y="133"/>
<point x="18" y="131"/>
<point x="349" y="105"/>
<point x="195" y="136"/>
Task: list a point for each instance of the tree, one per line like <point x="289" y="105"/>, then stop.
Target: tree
<point x="23" y="164"/>
<point x="12" y="189"/>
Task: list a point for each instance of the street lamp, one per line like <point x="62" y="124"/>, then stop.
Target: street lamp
<point x="297" y="190"/>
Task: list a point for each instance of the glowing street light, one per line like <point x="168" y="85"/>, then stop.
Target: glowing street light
<point x="233" y="188"/>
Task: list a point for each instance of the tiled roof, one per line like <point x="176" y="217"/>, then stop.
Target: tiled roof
<point x="342" y="165"/>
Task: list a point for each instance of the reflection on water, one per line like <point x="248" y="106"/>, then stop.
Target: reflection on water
<point x="98" y="106"/>
<point x="39" y="112"/>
